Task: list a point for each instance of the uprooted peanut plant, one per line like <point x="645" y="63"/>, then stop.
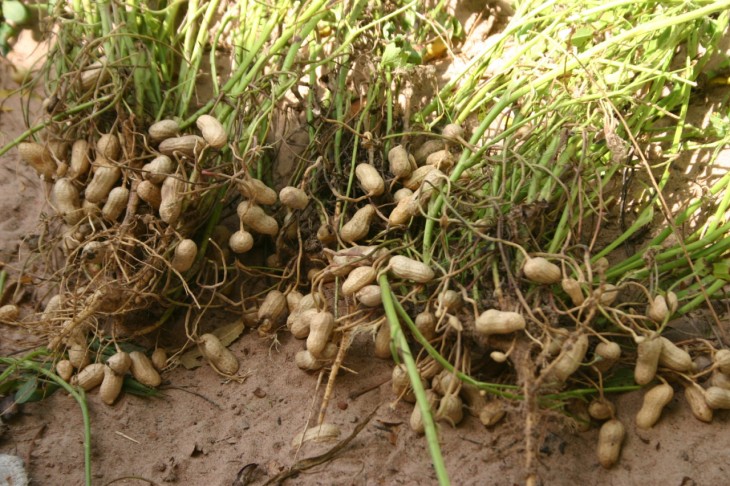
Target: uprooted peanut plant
<point x="463" y="229"/>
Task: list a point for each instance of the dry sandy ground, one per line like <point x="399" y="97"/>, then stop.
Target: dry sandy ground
<point x="203" y="431"/>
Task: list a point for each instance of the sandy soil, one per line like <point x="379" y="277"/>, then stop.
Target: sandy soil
<point x="203" y="431"/>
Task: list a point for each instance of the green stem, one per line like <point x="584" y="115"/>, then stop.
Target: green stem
<point x="77" y="393"/>
<point x="396" y="333"/>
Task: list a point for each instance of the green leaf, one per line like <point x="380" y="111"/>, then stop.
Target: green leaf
<point x="6" y="31"/>
<point x="15" y="12"/>
<point x="721" y="270"/>
<point x="582" y="36"/>
<point x="393" y="57"/>
<point x="26" y="390"/>
<point x="621" y="377"/>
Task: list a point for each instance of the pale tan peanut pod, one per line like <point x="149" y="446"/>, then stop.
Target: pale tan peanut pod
<point x="572" y="288"/>
<point x="450" y="409"/>
<point x="213" y="131"/>
<point x="92" y="211"/>
<point x="305" y="361"/>
<point x="163" y="129"/>
<point x="293" y="301"/>
<point x="64" y="369"/>
<point x="401" y="384"/>
<point x="721" y="361"/>
<point x="255" y="218"/>
<point x="325" y="234"/>
<point x="359" y="225"/>
<point x="89" y="377"/>
<point x="240" y="242"/>
<point x="453" y="131"/>
<point x="426" y="324"/>
<point x="717" y="398"/>
<point x="105" y="177"/>
<point x="494" y="321"/>
<point x="445" y="382"/>
<point x="647" y="359"/>
<point x="78" y="355"/>
<point x="311" y="301"/>
<point x="143" y="371"/>
<point x="451" y="300"/>
<point x="672" y="302"/>
<point x="108" y="146"/>
<point x="421" y="153"/>
<point x="382" y="342"/>
<point x="62" y="170"/>
<point x="338" y="270"/>
<point x="474" y="399"/>
<point x="455" y="323"/>
<point x="358" y="255"/>
<point x="111" y="386"/>
<point x="59" y="152"/>
<point x="492" y="413"/>
<point x="184" y="256"/>
<point x="256" y="191"/>
<point x="498" y="356"/>
<point x="441" y="159"/>
<point x="414" y="181"/>
<point x="695" y="397"/>
<point x="400" y="163"/>
<point x="220" y="357"/>
<point x="568" y="361"/>
<point x="429" y="368"/>
<point x="300" y="323"/>
<point x="357" y="279"/>
<point x="601" y="409"/>
<point x="116" y="203"/>
<point x="674" y="357"/>
<point x="295" y="198"/>
<point x="607" y="295"/>
<point x="95" y="73"/>
<point x="80" y="161"/>
<point x="318" y="433"/>
<point x="186" y="145"/>
<point x="320" y="330"/>
<point x="407" y="208"/>
<point x="120" y="362"/>
<point x="540" y="270"/>
<point x="272" y="310"/>
<point x="158" y="169"/>
<point x="150" y="193"/>
<point x="654" y="402"/>
<point x="171" y="202"/>
<point x="601" y="265"/>
<point x="657" y="309"/>
<point x="159" y="359"/>
<point x="432" y="182"/>
<point x="370" y="296"/>
<point x="610" y="438"/>
<point x="53" y="308"/>
<point x="9" y="313"/>
<point x="370" y="179"/>
<point x="607" y="355"/>
<point x="416" y="420"/>
<point x="409" y="269"/>
<point x="401" y="193"/>
<point x="39" y="158"/>
<point x="70" y="240"/>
